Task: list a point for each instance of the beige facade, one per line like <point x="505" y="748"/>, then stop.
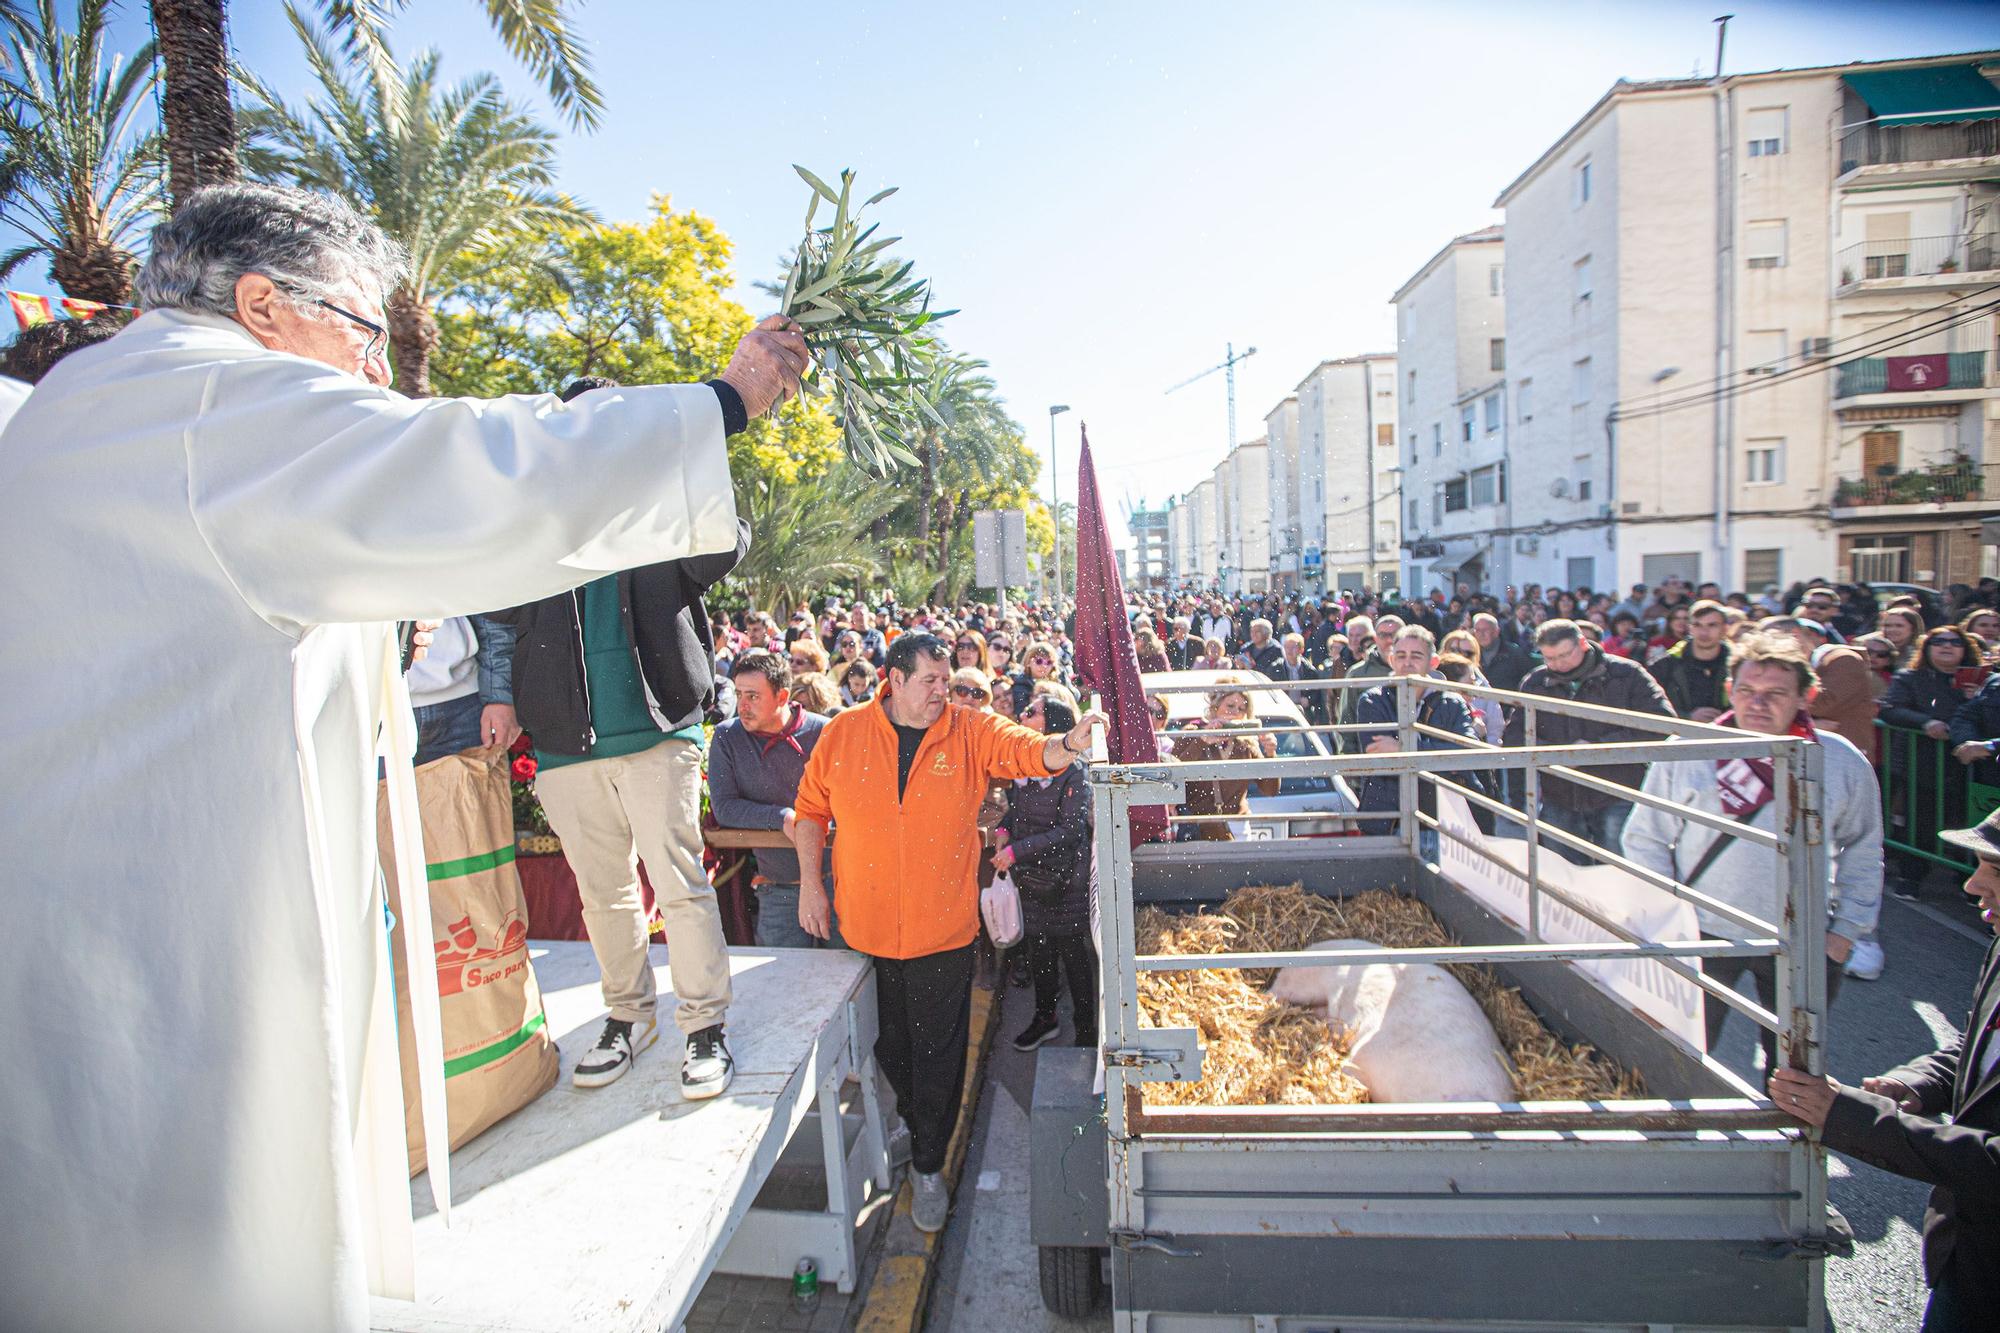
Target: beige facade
<point x="1281" y="438"/>
<point x="1350" y="494"/>
<point x="1693" y="274"/>
<point x="1247" y="525"/>
<point x="1451" y="354"/>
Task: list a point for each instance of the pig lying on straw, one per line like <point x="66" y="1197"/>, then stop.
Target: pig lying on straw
<point x="1415" y="1034"/>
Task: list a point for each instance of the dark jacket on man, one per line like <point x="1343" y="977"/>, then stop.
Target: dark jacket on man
<point x="1181" y="652"/>
<point x="1367" y="668"/>
<point x="1608" y="682"/>
<point x="1504" y="665"/>
<point x="1691" y="683"/>
<point x="1266" y="658"/>
<point x="668" y="627"/>
<point x="1960" y="1160"/>
<point x="1311" y="702"/>
<point x="1048" y="826"/>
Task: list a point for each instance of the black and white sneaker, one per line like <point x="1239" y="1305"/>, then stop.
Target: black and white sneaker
<point x="708" y="1066"/>
<point x="617" y="1046"/>
<point x="1039" y="1030"/>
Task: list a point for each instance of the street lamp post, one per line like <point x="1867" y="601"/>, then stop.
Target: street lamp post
<point x="1055" y="499"/>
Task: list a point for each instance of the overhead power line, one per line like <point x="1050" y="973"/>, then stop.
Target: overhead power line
<point x="1805" y="370"/>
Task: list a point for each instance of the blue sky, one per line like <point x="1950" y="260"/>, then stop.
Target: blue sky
<point x="1110" y="192"/>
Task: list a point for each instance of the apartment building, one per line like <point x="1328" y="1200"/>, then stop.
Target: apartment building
<point x="1916" y="251"/>
<point x="1150" y="566"/>
<point x="1243" y="486"/>
<point x="1281" y="456"/>
<point x="1740" y="335"/>
<point x="1204" y="533"/>
<point x="1451" y="353"/>
<point x="1349" y="494"/>
<point x="1180" y="542"/>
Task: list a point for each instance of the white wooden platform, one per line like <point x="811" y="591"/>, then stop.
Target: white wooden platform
<point x="607" y="1208"/>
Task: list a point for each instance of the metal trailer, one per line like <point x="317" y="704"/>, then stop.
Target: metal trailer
<point x="1704" y="1208"/>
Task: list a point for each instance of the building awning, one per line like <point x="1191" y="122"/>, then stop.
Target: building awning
<point x="1458" y="554"/>
<point x="1930" y="94"/>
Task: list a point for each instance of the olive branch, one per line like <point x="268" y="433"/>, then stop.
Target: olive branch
<point x="862" y="315"/>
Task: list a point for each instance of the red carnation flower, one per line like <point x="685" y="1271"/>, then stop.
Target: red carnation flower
<point x="524" y="767"/>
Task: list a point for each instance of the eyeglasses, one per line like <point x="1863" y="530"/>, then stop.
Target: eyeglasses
<point x="802" y="660"/>
<point x="967" y="645"/>
<point x="377" y="335"/>
<point x="1949" y="641"/>
<point x="968" y="692"/>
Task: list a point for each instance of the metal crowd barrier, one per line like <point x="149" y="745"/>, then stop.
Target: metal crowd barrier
<point x="1798" y="932"/>
<point x="1925" y="790"/>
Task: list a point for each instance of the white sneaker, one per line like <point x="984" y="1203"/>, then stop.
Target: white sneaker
<point x="708" y="1066"/>
<point x="1866" y="962"/>
<point x="617" y="1046"/>
<point x="930" y="1201"/>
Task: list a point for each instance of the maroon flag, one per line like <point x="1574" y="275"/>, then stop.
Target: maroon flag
<point x="1913" y="374"/>
<point x="1104" y="657"/>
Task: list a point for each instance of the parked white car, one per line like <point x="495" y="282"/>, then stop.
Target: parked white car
<point x="1274" y="708"/>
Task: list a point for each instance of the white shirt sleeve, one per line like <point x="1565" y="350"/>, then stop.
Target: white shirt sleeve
<point x="328" y="500"/>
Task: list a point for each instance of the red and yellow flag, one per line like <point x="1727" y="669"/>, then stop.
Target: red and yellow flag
<point x="77" y="308"/>
<point x="30" y="309"/>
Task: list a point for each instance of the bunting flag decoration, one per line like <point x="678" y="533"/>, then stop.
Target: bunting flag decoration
<point x="1106" y="661"/>
<point x="30" y="310"/>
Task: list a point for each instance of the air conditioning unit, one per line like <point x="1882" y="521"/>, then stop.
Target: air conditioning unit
<point x="1816" y="349"/>
<point x="1527" y="545"/>
<point x="1629" y="507"/>
<point x="1559" y="487"/>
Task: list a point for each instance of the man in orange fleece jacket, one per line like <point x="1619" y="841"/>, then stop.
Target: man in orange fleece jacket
<point x="906" y="869"/>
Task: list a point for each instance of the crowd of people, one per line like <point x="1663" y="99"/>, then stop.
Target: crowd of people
<point x="228" y="487"/>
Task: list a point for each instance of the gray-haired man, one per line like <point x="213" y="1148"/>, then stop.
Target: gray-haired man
<point x="243" y="511"/>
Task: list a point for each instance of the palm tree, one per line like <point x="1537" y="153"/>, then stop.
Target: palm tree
<point x="808" y="534"/>
<point x="447" y="172"/>
<point x="200" y="119"/>
<point x="79" y="178"/>
<point x="196" y="110"/>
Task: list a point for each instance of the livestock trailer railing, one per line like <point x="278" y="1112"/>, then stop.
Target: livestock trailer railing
<point x="1701" y="1205"/>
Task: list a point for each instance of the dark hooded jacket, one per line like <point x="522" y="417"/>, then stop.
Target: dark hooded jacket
<point x="1608" y="682"/>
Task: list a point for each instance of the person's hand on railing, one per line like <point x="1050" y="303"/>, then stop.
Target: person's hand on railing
<point x="1972" y="752"/>
<point x="1936" y="730"/>
<point x="1803" y="1096"/>
<point x="1384" y="745"/>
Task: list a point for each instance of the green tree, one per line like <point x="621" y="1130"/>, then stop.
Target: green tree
<point x="79" y="173"/>
<point x="638" y="302"/>
<point x="808" y="534"/>
<point x="451" y="173"/>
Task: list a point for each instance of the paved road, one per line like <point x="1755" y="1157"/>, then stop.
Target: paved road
<point x="987" y="1278"/>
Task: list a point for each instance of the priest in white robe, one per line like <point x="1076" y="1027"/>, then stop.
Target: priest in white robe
<point x="213" y="522"/>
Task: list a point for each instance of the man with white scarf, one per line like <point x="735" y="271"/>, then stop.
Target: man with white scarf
<point x="234" y="508"/>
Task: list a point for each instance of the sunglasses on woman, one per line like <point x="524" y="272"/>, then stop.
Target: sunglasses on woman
<point x="968" y="692"/>
<point x="1952" y="641"/>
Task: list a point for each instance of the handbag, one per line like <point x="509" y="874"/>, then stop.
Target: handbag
<point x="1000" y="907"/>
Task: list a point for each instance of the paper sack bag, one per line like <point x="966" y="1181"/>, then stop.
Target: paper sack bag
<point x="498" y="1054"/>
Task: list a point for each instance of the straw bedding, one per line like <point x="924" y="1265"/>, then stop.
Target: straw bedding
<point x="1259" y="1052"/>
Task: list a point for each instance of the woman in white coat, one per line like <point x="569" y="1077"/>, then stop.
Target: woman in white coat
<point x="213" y="521"/>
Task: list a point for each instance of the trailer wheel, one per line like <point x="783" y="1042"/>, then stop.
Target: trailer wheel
<point x="1072" y="1279"/>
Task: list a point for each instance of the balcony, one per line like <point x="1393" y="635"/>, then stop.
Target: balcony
<point x="1894" y="263"/>
<point x="1904" y="149"/>
<point x="1943" y="487"/>
<point x="1870" y="374"/>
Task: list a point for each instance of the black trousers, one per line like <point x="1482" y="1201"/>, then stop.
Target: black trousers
<point x="923" y="1014"/>
<point x="1763" y="974"/>
<point x="1050" y="958"/>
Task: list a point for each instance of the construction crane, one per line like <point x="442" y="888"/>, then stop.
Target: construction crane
<point x="1228" y="367"/>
